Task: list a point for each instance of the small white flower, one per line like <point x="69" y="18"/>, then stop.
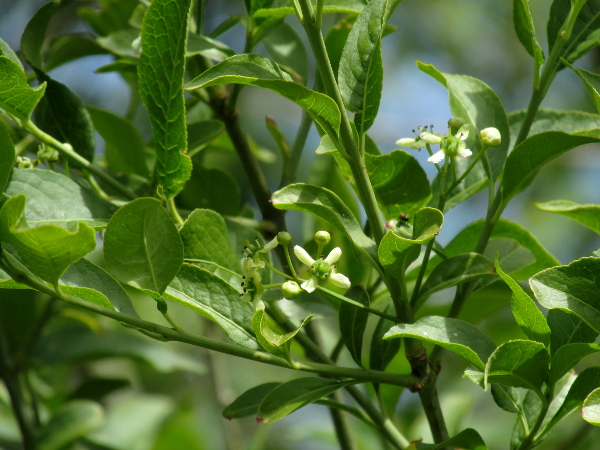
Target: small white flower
<point x="414" y="143"/>
<point x="450" y="146"/>
<point x="322" y="270"/>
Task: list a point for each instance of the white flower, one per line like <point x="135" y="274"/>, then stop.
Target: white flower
<point x="450" y="146"/>
<point x="322" y="270"/>
<point x="252" y="263"/>
<point x="414" y="143"/>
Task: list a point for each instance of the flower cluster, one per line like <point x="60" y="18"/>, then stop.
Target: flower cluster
<point x="322" y="270"/>
<point x="451" y="145"/>
<point x="252" y="263"/>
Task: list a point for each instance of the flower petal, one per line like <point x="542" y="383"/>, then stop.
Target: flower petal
<point x="463" y="132"/>
<point x="334" y="255"/>
<point x="270" y="245"/>
<point x="405" y="142"/>
<point x="340" y="280"/>
<point x="437" y="157"/>
<point x="464" y="152"/>
<point x="303" y="256"/>
<point x="310" y="285"/>
<point x="430" y="138"/>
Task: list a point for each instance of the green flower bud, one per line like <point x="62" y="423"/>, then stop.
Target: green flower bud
<point x="490" y="137"/>
<point x="322" y="238"/>
<point x="455" y="123"/>
<point x="291" y="290"/>
<point x="284" y="238"/>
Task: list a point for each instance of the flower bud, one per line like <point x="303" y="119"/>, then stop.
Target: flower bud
<point x="455" y="123"/>
<point x="322" y="237"/>
<point x="490" y="137"/>
<point x="291" y="290"/>
<point x="284" y="238"/>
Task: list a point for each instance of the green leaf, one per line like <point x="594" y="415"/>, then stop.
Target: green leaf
<point x="524" y="162"/>
<point x="528" y="316"/>
<point x="73" y="420"/>
<point x="7" y="155"/>
<point x="160" y="72"/>
<point x="331" y="7"/>
<point x="123" y="145"/>
<point x="255" y="70"/>
<point x="467" y="439"/>
<point x="396" y="253"/>
<point x="453" y="271"/>
<point x="399" y="181"/>
<point x="591" y="81"/>
<point x="591" y="408"/>
<point x="84" y="274"/>
<point x="215" y="299"/>
<point x="247" y="404"/>
<point x="586" y="382"/>
<point x="79" y="344"/>
<point x="588" y="215"/>
<point x="518" y="363"/>
<point x="63" y="115"/>
<point x="466" y="241"/>
<point x="271" y="341"/>
<point x="353" y="322"/>
<point x="327" y="206"/>
<point x="47" y="249"/>
<point x="207" y="47"/>
<point x="142" y="246"/>
<point x="567" y="329"/>
<point x="506" y="397"/>
<point x="360" y="73"/>
<point x="523" y="23"/>
<point x="5" y="50"/>
<point x="71" y="47"/>
<point x="570" y="122"/>
<point x="477" y="104"/>
<point x="567" y="356"/>
<point x="16" y="97"/>
<point x="32" y="40"/>
<point x="286" y="47"/>
<point x="120" y="43"/>
<point x="204" y="236"/>
<point x="382" y="351"/>
<point x="586" y="28"/>
<point x="53" y="198"/>
<point x="211" y="188"/>
<point x="288" y="397"/>
<point x="202" y="133"/>
<point x="572" y="288"/>
<point x="455" y="335"/>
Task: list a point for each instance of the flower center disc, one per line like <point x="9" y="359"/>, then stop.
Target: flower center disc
<point x="321" y="269"/>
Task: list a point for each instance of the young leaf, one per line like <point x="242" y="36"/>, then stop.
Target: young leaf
<point x="453" y="271"/>
<point x="399" y="181"/>
<point x="467" y="439"/>
<point x="204" y="237"/>
<point x="396" y="253"/>
<point x="382" y="351"/>
<point x="47" y="249"/>
<point x="360" y="74"/>
<point x="586" y="382"/>
<point x="286" y="47"/>
<point x="16" y="97"/>
<point x="247" y="404"/>
<point x="353" y="322"/>
<point x="73" y="420"/>
<point x="518" y="363"/>
<point x="524" y="162"/>
<point x="259" y="71"/>
<point x="327" y="206"/>
<point x="32" y="40"/>
<point x="523" y="23"/>
<point x="53" y="198"/>
<point x="63" y="115"/>
<point x="566" y="357"/>
<point x="591" y="82"/>
<point x="591" y="408"/>
<point x="528" y="316"/>
<point x="288" y="397"/>
<point x="506" y="397"/>
<point x="455" y="335"/>
<point x="587" y="215"/>
<point x="207" y="47"/>
<point x="477" y="104"/>
<point x="142" y="246"/>
<point x="585" y="34"/>
<point x="123" y="145"/>
<point x="5" y="50"/>
<point x="215" y="299"/>
<point x="7" y="155"/>
<point x="270" y="340"/>
<point x="572" y="288"/>
<point x="160" y="71"/>
<point x="567" y="329"/>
